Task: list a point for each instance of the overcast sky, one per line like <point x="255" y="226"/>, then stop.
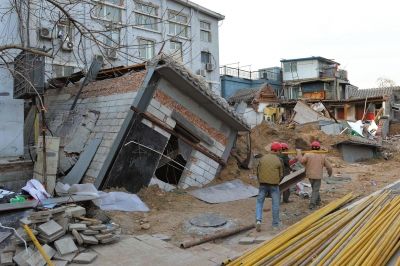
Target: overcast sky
<point x="363" y="36"/>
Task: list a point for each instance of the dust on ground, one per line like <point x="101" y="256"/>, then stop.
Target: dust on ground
<point x="170" y="210"/>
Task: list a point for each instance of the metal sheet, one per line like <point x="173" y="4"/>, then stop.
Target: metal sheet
<point x="78" y="171"/>
<point x="225" y="192"/>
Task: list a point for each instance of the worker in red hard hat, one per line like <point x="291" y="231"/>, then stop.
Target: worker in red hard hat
<point x="314" y="164"/>
<point x="286" y="169"/>
<point x="269" y="174"/>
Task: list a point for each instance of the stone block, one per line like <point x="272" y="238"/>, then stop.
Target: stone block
<point x="66" y="245"/>
<point x="77" y="227"/>
<point x="22" y="257"/>
<point x="246" y="240"/>
<point x="77" y="236"/>
<point x="50" y="228"/>
<point x="85" y="258"/>
<point x="90" y="232"/>
<point x="37" y="260"/>
<point x="76" y="211"/>
<point x="89" y="239"/>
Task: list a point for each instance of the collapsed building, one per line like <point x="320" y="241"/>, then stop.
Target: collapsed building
<point x="135" y="123"/>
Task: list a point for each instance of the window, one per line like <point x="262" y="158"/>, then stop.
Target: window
<point x="205" y="31"/>
<point x="178" y="24"/>
<point x="112" y="38"/>
<point x="110" y="13"/>
<point x="205" y="58"/>
<point x="62" y="71"/>
<point x="146" y="49"/>
<point x="65" y="30"/>
<point x="176" y="50"/>
<point x="290" y="67"/>
<point x="146" y="16"/>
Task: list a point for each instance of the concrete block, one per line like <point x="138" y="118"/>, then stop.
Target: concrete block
<point x="76" y="211"/>
<point x="98" y="227"/>
<point x="246" y="240"/>
<point x="68" y="257"/>
<point x="65" y="245"/>
<point x="90" y="232"/>
<point x="22" y="257"/>
<point x="37" y="260"/>
<point x="50" y="228"/>
<point x="58" y="210"/>
<point x="103" y="236"/>
<point x="77" y="227"/>
<point x="6" y="258"/>
<point x="89" y="239"/>
<point x="77" y="237"/>
<point x="85" y="258"/>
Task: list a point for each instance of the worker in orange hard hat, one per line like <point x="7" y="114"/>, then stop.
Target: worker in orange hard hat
<point x="314" y="164"/>
<point x="286" y="169"/>
<point x="269" y="174"/>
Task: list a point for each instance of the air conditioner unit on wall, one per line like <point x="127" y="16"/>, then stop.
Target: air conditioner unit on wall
<point x="45" y="33"/>
<point x="112" y="53"/>
<point x="67" y="45"/>
<point x="202" y="72"/>
<point x="210" y="67"/>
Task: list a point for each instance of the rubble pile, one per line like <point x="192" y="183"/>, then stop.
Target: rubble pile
<point x="64" y="233"/>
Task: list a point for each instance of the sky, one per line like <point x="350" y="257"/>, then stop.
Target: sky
<point x="363" y="36"/>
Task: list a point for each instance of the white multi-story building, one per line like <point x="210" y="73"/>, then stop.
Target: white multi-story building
<point x="121" y="32"/>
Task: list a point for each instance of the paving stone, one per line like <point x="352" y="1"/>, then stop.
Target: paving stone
<point x="113" y="239"/>
<point x="21" y="257"/>
<point x="6" y="258"/>
<point x="77" y="236"/>
<point x="89" y="239"/>
<point x="67" y="257"/>
<point x="40" y="214"/>
<point x="77" y="227"/>
<point x="246" y="240"/>
<point x="90" y="232"/>
<point x="76" y="211"/>
<point x="98" y="227"/>
<point x="66" y="245"/>
<point x="50" y="228"/>
<point x="85" y="258"/>
<point x="162" y="237"/>
<point x="103" y="236"/>
<point x="46" y="240"/>
<point x="37" y="260"/>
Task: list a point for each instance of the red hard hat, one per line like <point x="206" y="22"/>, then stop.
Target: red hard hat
<point x="276" y="146"/>
<point x="315" y="144"/>
<point x="285" y="146"/>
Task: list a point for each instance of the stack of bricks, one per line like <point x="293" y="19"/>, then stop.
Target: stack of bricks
<point x="65" y="234"/>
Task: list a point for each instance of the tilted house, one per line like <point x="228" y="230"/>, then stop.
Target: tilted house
<point x="141" y="113"/>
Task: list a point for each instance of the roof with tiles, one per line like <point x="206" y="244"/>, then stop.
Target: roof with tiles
<point x="245" y="94"/>
<point x="372" y="92"/>
<point x="200" y="84"/>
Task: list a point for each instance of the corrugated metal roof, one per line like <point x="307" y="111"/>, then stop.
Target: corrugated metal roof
<point x="372" y="92"/>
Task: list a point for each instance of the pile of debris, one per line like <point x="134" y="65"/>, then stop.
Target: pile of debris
<point x="65" y="233"/>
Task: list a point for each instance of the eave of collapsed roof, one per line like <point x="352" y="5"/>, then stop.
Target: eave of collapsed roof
<point x="320" y="58"/>
<point x="201" y="9"/>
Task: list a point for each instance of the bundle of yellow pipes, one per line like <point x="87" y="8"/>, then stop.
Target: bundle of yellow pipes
<point x="366" y="234"/>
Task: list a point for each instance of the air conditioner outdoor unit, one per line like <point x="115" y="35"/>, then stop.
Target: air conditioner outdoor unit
<point x="45" y="33"/>
<point x="67" y="45"/>
<point x="202" y="72"/>
<point x="209" y="67"/>
<point x="112" y="53"/>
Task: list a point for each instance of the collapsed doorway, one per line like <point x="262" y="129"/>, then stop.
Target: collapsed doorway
<point x="172" y="164"/>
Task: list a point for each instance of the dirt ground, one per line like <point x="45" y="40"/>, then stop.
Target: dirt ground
<point x="169" y="211"/>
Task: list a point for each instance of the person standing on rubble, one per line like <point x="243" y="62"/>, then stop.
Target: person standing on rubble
<point x="314" y="164"/>
<point x="269" y="174"/>
<point x="286" y="169"/>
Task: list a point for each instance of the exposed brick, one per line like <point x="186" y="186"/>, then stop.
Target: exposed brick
<point x="196" y="169"/>
<point x="203" y="165"/>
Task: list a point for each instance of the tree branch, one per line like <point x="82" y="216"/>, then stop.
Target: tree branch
<point x="19" y="47"/>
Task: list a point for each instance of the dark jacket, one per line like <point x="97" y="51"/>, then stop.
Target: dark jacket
<point x="286" y="165"/>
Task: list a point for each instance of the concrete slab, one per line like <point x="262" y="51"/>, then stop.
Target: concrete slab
<point x="65" y="245"/>
<point x="50" y="228"/>
<point x="77" y="236"/>
<point x="22" y="257"/>
<point x="89" y="239"/>
<point x="103" y="236"/>
<point x="77" y="227"/>
<point x="37" y="260"/>
<point x="85" y="258"/>
<point x="112" y="239"/>
<point x="68" y="257"/>
<point x="75" y="211"/>
<point x="89" y="232"/>
<point x="98" y="227"/>
<point x="6" y="258"/>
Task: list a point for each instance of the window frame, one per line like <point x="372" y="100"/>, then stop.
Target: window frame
<point x="140" y="39"/>
<point x="144" y="14"/>
<point x="68" y="27"/>
<point x="290" y="67"/>
<point x="63" y="70"/>
<point x="203" y="30"/>
<point x="180" y="57"/>
<point x="178" y="23"/>
<point x="102" y="4"/>
<point x="209" y="57"/>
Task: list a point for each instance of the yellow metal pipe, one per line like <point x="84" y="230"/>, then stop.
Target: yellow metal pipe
<point x="37" y="245"/>
<point x="303" y="152"/>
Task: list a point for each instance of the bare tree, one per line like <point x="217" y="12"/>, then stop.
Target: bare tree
<point x="385" y="82"/>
